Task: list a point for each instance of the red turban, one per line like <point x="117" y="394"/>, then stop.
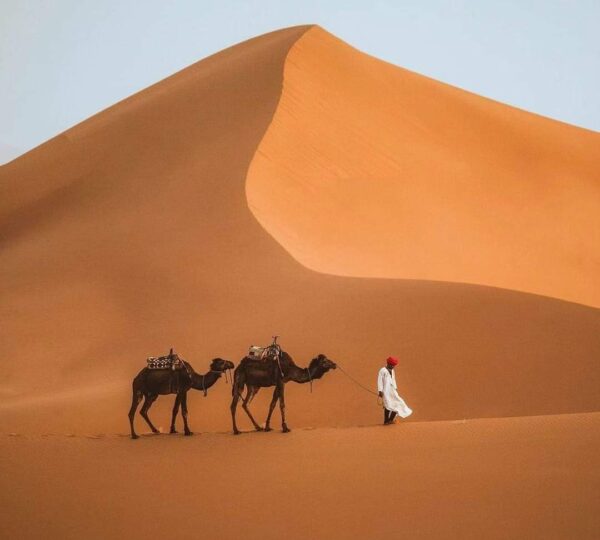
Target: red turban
<point x="392" y="361"/>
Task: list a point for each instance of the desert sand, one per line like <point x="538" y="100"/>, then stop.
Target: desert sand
<point x="534" y="477"/>
<point x="400" y="176"/>
<point x="292" y="185"/>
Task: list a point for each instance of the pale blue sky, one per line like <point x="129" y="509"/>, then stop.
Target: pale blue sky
<point x="63" y="60"/>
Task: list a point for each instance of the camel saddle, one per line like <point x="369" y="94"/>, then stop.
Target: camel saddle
<point x="256" y="352"/>
<point x="271" y="352"/>
<point x="164" y="362"/>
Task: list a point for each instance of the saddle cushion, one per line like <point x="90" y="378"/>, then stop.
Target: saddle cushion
<point x="163" y="362"/>
<point x="256" y="352"/>
<point x="271" y="352"/>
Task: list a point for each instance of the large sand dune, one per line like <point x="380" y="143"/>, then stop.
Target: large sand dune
<point x="131" y="232"/>
<point x="285" y="185"/>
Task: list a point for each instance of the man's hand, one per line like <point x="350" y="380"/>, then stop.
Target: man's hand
<point x="380" y="394"/>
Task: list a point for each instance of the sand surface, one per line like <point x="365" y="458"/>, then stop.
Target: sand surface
<point x="234" y="201"/>
<point x="535" y="477"/>
<point x="391" y="174"/>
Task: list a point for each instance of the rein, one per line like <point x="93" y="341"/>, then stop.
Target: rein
<point x="355" y="381"/>
<point x="309" y="378"/>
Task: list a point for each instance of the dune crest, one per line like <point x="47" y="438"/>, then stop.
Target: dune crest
<point x="370" y="170"/>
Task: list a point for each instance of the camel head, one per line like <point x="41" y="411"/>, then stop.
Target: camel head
<point x="218" y="364"/>
<point x="323" y="363"/>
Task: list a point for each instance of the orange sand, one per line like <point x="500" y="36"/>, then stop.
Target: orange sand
<point x="371" y="170"/>
<point x="535" y="477"/>
<point x="132" y="232"/>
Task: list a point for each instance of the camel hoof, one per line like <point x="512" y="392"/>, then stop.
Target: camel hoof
<point x="258" y="428"/>
<point x="155" y="431"/>
<point x="286" y="430"/>
<point x="173" y="431"/>
<point x="236" y="432"/>
<point x="134" y="436"/>
<point x="188" y="433"/>
<point x="268" y="429"/>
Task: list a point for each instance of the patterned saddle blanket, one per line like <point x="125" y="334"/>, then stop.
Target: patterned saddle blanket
<point x="164" y="362"/>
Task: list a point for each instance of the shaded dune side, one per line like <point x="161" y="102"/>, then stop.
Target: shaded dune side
<point x="131" y="232"/>
<point x="370" y="170"/>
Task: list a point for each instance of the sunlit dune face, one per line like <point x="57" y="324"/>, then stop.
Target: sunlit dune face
<point x="369" y="170"/>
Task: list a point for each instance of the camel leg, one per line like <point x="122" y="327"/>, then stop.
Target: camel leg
<point x="245" y="402"/>
<point x="175" y="411"/>
<point x="272" y="408"/>
<point x="255" y="390"/>
<point x="234" y="402"/>
<point x="284" y="427"/>
<point x="184" y="413"/>
<point x="150" y="399"/>
<point x="135" y="401"/>
<point x="238" y="388"/>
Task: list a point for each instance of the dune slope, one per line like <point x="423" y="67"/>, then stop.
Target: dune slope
<point x="371" y="170"/>
<point x="132" y="232"/>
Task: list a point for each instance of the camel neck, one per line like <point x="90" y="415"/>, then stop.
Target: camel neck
<point x="204" y="382"/>
<point x="304" y="375"/>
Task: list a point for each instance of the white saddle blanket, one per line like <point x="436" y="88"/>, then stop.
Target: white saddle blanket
<point x="257" y="352"/>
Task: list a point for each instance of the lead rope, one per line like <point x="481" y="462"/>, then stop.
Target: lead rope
<point x="356" y="382"/>
<point x="309" y="378"/>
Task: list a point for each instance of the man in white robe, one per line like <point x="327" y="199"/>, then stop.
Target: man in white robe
<point x="393" y="404"/>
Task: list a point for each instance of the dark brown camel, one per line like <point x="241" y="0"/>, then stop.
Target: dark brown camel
<point x="150" y="383"/>
<point x="255" y="374"/>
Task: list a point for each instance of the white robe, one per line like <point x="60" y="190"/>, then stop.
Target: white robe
<point x="386" y="383"/>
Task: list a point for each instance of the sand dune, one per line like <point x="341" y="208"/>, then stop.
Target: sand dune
<point x="131" y="232"/>
<point x="255" y="193"/>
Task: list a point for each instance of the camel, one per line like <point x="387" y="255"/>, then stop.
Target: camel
<point x="150" y="383"/>
<point x="255" y="374"/>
